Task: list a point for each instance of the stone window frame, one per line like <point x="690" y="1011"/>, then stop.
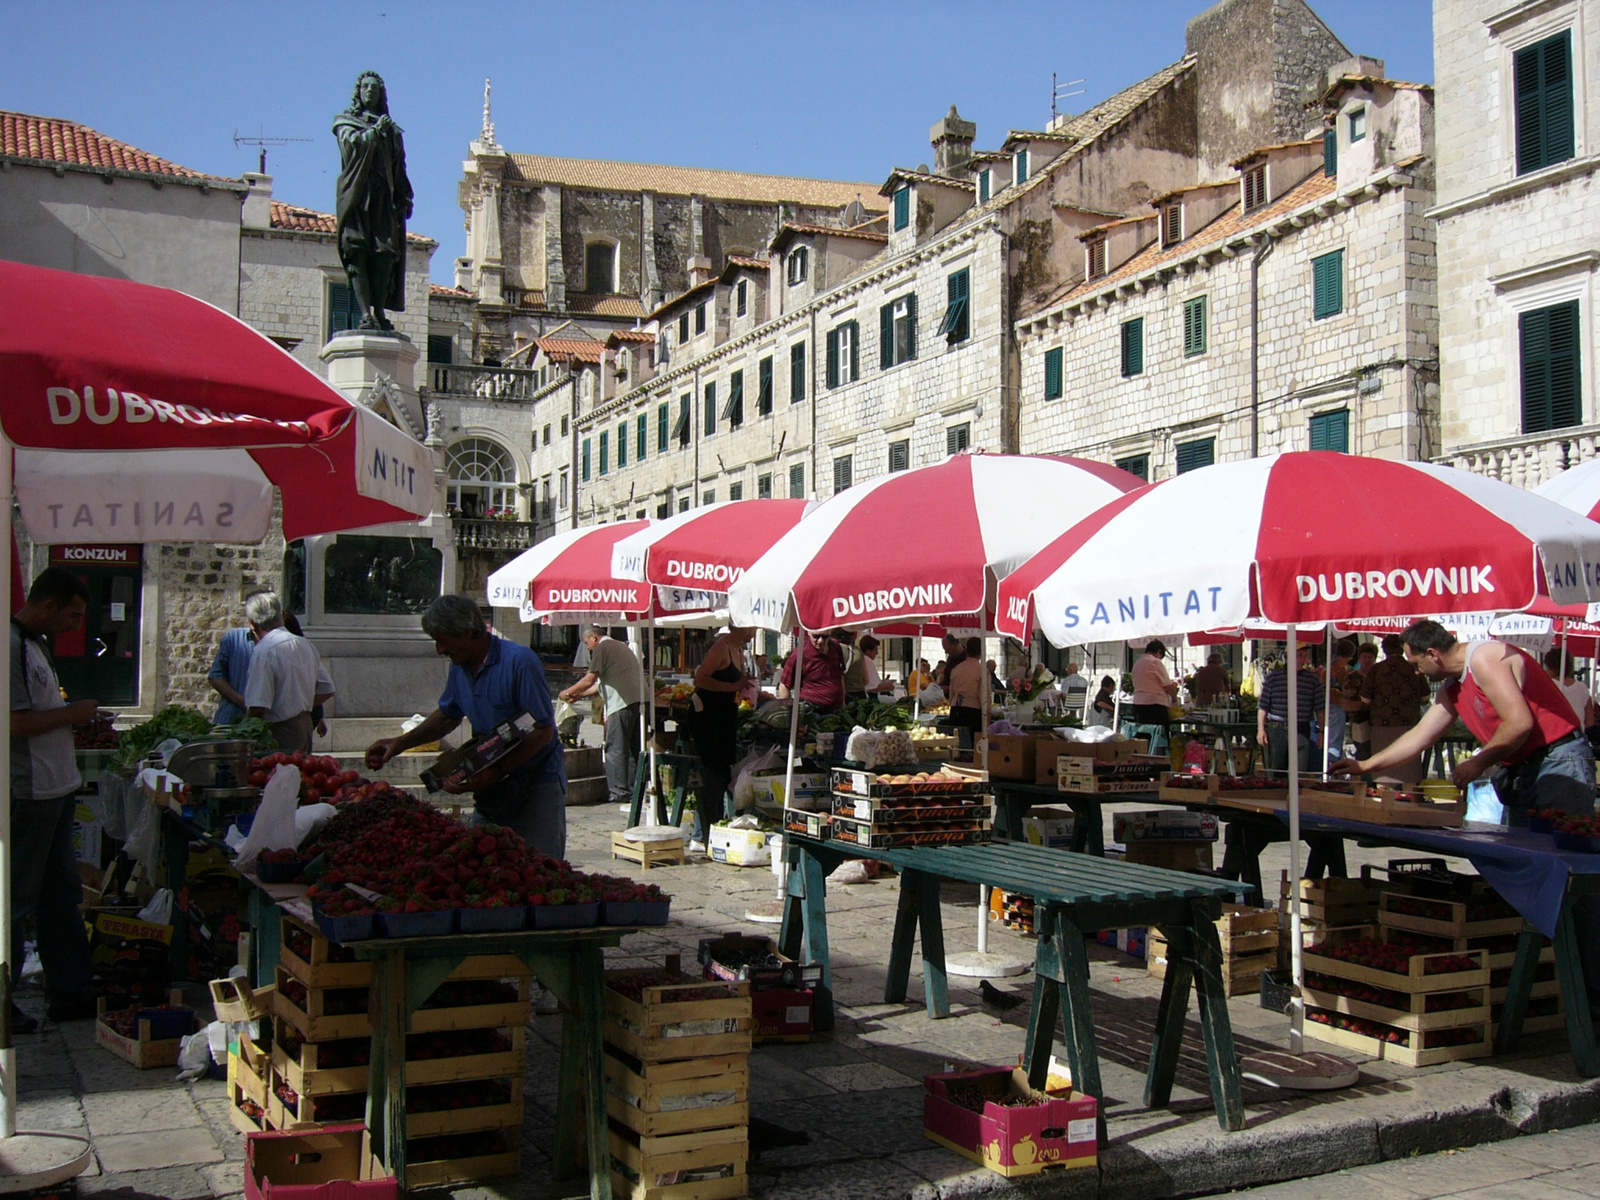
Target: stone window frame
<point x="902" y="448"/>
<point x="1518" y="29"/>
<point x="1562" y="283"/>
<point x="477" y="460"/>
<point x="797" y="267"/>
<point x="561" y="495"/>
<point x="741" y="297"/>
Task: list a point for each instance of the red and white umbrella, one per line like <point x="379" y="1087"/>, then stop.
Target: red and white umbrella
<point x="140" y="414"/>
<point x="1297" y="538"/>
<point x="920" y="545"/>
<point x="1577" y="488"/>
<point x="566" y="579"/>
<point x="705" y="549"/>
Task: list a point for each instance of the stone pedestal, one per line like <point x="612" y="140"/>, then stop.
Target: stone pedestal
<point x="364" y="589"/>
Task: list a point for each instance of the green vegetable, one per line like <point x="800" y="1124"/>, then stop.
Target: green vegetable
<point x="249" y="729"/>
<point x="174" y="721"/>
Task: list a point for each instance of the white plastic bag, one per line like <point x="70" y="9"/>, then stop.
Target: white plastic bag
<point x="274" y="826"/>
<point x="1483" y="803"/>
<point x="159" y="910"/>
<point x="930" y="695"/>
<point x="744" y="771"/>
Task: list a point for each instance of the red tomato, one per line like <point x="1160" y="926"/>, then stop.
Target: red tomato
<point x="258" y="779"/>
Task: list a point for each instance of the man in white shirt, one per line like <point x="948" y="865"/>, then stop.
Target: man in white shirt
<point x="287" y="678"/>
<point x="615" y="673"/>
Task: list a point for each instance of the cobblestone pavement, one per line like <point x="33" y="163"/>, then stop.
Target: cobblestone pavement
<point x="857" y="1093"/>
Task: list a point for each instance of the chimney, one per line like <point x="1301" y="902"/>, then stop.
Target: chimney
<point x="952" y="140"/>
<point x="699" y="269"/>
<point x="1358" y="64"/>
<point x="464" y="274"/>
<point x="257" y="210"/>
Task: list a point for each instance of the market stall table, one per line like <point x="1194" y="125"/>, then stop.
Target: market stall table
<point x="1013" y="799"/>
<point x="1540" y="882"/>
<point x="1235" y="735"/>
<point x="1074" y="896"/>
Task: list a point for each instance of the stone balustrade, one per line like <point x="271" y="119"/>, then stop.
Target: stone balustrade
<point x="1528" y="459"/>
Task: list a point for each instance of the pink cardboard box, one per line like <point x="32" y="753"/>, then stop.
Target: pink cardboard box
<point x="1021" y="1140"/>
<point x="331" y="1163"/>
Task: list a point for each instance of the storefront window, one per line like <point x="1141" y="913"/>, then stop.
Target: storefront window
<point x="380" y="575"/>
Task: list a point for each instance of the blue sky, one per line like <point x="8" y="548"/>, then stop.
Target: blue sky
<point x="835" y="90"/>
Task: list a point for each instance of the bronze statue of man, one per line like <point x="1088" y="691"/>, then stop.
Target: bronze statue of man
<point x="374" y="202"/>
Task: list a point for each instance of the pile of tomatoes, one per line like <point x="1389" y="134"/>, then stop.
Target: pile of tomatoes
<point x="322" y="780"/>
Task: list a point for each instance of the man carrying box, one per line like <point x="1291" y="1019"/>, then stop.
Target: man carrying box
<point x="491" y="681"/>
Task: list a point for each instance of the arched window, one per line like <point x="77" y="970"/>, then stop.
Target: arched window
<point x="600" y="267"/>
<point x="482" y="479"/>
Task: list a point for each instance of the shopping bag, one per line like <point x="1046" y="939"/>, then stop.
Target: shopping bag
<point x="1483" y="803"/>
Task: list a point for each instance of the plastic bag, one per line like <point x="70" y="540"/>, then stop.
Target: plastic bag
<point x="565" y="712"/>
<point x="744" y="771"/>
<point x="274" y="826"/>
<point x="1483" y="803"/>
<point x="932" y="694"/>
<point x="855" y="870"/>
<point x="159" y="910"/>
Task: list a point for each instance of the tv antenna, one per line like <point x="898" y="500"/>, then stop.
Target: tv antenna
<point x="1062" y="91"/>
<point x="263" y="141"/>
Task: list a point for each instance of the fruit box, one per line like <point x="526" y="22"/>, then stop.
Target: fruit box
<point x="232" y="999"/>
<point x="1382" y="806"/>
<point x="1417" y="977"/>
<point x="677" y="1096"/>
<point x="1059" y="1131"/>
<point x="1011" y="756"/>
<point x="1163" y="825"/>
<point x="1446" y="918"/>
<point x="324" y="1164"/>
<point x="785" y="973"/>
<point x="740" y="847"/>
<point x="144" y="1047"/>
<point x="459" y="764"/>
<point x="1049" y="825"/>
<point x="781" y="1014"/>
<point x="680" y="1019"/>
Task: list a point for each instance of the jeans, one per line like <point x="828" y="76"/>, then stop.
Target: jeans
<point x="46" y="886"/>
<point x="534" y="804"/>
<point x="622" y="753"/>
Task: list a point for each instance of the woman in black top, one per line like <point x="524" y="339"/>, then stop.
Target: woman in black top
<point x="714" y="725"/>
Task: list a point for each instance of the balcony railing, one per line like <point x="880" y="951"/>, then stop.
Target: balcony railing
<point x="483" y="383"/>
<point x="493" y="535"/>
<point x="1528" y="459"/>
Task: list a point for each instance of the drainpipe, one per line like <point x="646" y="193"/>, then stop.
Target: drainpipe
<point x="1263" y="250"/>
<point x="815" y="397"/>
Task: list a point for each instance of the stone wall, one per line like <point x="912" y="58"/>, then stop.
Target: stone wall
<point x="1508" y="244"/>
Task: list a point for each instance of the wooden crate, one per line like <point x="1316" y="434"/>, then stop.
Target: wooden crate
<point x="142" y="1050"/>
<point x="304" y="1072"/>
<point x="252" y="1084"/>
<point x="1412" y="1052"/>
<point x="1381" y="806"/>
<point x="505" y="1115"/>
<point x="1416" y="978"/>
<point x="1442" y="918"/>
<point x="233" y="1000"/>
<point x="1249" y="938"/>
<point x="649" y="854"/>
<point x="430" y="1173"/>
<point x="255" y="1054"/>
<point x="1412" y="1014"/>
<point x="658" y="1027"/>
<point x="321" y="969"/>
<point x="312" y="1110"/>
<point x="650" y="1098"/>
<point x="313" y="1023"/>
<point x="1334" y="901"/>
<point x="495" y="1064"/>
<point x="639" y="1161"/>
<point x="495" y="1015"/>
<point x="242" y="1120"/>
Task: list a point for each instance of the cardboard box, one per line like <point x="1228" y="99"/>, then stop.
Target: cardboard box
<point x="807" y="785"/>
<point x="781" y="1014"/>
<point x="717" y="953"/>
<point x="131" y="959"/>
<point x="1174" y="856"/>
<point x="1011" y="756"/>
<point x="331" y="1163"/>
<point x="1046" y="825"/>
<point x="152" y="1044"/>
<point x="1060" y="1131"/>
<point x="1048" y="749"/>
<point x="1163" y="825"/>
<point x="457" y="765"/>
<point x="1128" y="941"/>
<point x="740" y="847"/>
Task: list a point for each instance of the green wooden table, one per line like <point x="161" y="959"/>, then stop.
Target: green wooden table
<point x="570" y="962"/>
<point x="1075" y="895"/>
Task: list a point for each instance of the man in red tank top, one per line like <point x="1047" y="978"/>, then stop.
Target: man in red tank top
<point x="1513" y="708"/>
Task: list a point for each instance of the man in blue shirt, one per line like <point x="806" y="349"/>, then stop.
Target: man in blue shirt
<point x="229" y="673"/>
<point x="493" y="680"/>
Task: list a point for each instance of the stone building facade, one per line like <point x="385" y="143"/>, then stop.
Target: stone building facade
<point x="1291" y="307"/>
<point x="900" y="328"/>
<point x="1518" y="216"/>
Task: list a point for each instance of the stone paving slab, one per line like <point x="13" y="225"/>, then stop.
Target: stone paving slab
<point x="857" y="1093"/>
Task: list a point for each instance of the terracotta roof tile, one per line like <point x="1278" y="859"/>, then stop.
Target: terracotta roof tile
<point x="870" y="235"/>
<point x="1109" y="111"/>
<point x="604" y="306"/>
<point x="1193" y="187"/>
<point x="924" y="177"/>
<point x="1346" y="81"/>
<point x="689" y="294"/>
<point x="1261" y="151"/>
<point x="308" y="220"/>
<point x="453" y="293"/>
<point x="755" y="264"/>
<point x="561" y="349"/>
<point x="602" y="175"/>
<point x="52" y="140"/>
<point x="1229" y="225"/>
<point x="642" y="336"/>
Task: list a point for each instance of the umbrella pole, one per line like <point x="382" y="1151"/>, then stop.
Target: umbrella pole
<point x="1292" y="725"/>
<point x="794" y="712"/>
<point x="1327" y="701"/>
<point x="916" y="666"/>
<point x="650" y="726"/>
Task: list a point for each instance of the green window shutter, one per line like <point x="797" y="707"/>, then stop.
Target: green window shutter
<point x="797" y="481"/>
<point x="985" y="182"/>
<point x="1052" y="373"/>
<point x="1551" y="368"/>
<point x="733" y="411"/>
<point x="1543" y="86"/>
<point x="843" y="473"/>
<point x="855" y="350"/>
<point x="663" y="427"/>
<point x="899" y="456"/>
<point x="604" y="446"/>
<point x="1021" y="166"/>
<point x="709" y="397"/>
<point x="343" y="313"/>
<point x="1327" y="285"/>
<point x="886" y="336"/>
<point x="1133" y="347"/>
<point x="1330" y="151"/>
<point x="763" y="487"/>
<point x="1137" y="464"/>
<point x="585" y="466"/>
<point x="1200" y="453"/>
<point x="833" y="358"/>
<point x="1331" y="431"/>
<point x="797" y="372"/>
<point x="680" y="429"/>
<point x="911" y="325"/>
<point x="622" y="445"/>
<point x="902" y="207"/>
<point x="764" y="392"/>
<point x="642" y="440"/>
<point x="1194" y="326"/>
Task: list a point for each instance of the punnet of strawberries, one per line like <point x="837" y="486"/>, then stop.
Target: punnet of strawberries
<point x="419" y="859"/>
